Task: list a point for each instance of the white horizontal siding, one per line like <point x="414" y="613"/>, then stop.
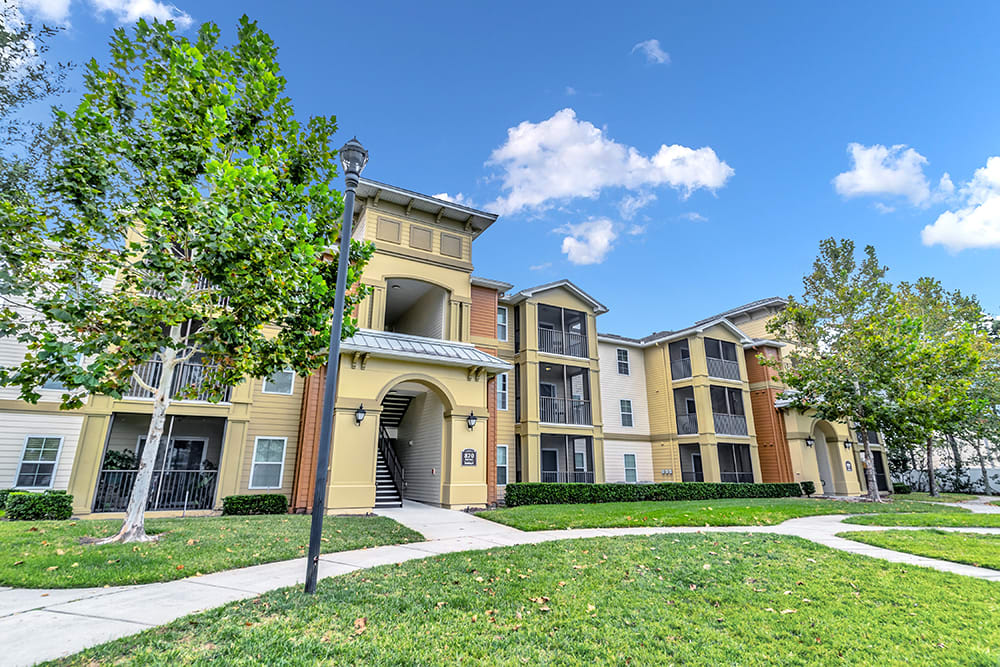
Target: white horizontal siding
<point x="615" y="387"/>
<point x="418" y="448"/>
<point x="614" y="460"/>
<point x="16" y="426"/>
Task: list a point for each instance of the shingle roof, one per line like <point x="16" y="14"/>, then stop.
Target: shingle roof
<point x="745" y="307"/>
<point x="434" y="350"/>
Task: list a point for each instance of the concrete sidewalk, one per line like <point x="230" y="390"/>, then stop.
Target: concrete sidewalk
<point x="71" y="620"/>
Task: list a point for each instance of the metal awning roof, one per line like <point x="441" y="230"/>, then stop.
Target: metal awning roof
<point x="418" y="348"/>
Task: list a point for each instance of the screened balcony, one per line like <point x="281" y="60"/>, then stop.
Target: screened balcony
<point x="691" y="470"/>
<point x="188" y="383"/>
<point x="727" y="411"/>
<point x="562" y="331"/>
<point x="564" y="394"/>
<point x="684" y="407"/>
<point x="680" y="360"/>
<point x="735" y="464"/>
<point x="721" y="358"/>
<point x="567" y="458"/>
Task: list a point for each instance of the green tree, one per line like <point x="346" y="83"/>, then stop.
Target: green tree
<point x="187" y="216"/>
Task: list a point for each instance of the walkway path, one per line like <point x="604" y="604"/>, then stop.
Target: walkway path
<point x="37" y="625"/>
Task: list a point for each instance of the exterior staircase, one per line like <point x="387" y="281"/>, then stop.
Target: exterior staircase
<point x="386" y="493"/>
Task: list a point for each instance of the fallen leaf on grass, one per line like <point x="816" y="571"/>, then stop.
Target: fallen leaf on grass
<point x="18" y="562"/>
<point x="788" y="611"/>
<point x="53" y="567"/>
<point x="360" y="625"/>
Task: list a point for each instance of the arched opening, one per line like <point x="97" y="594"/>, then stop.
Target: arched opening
<point x="416" y="307"/>
<point x="828" y="459"/>
<point x="411" y="435"/>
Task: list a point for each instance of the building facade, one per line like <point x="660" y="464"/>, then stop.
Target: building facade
<point x="454" y="386"/>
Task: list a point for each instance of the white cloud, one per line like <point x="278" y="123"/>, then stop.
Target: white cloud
<point x="570" y="90"/>
<point x="458" y="198"/>
<point x="894" y="171"/>
<point x="977" y="223"/>
<point x="883" y="208"/>
<point x="588" y="242"/>
<point x="694" y="216"/>
<point x="563" y="158"/>
<point x="636" y="230"/>
<point x="124" y="11"/>
<point x="631" y="204"/>
<point x="540" y="267"/>
<point x="654" y="54"/>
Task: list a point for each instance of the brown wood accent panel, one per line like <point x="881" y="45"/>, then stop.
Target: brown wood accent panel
<point x="451" y="245"/>
<point x="309" y="427"/>
<point x="420" y="238"/>
<point x="388" y="230"/>
<point x="772" y="440"/>
<point x="756" y="372"/>
<point x="484" y="312"/>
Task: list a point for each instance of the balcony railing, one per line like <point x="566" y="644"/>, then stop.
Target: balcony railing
<point x="730" y="424"/>
<point x="567" y="343"/>
<point x="687" y="424"/>
<point x="723" y="368"/>
<point x="185" y="375"/>
<point x="736" y="477"/>
<point x="564" y="411"/>
<point x="575" y="477"/>
<point x="692" y="476"/>
<point x="680" y="369"/>
<point x="203" y="284"/>
<point x="169" y="490"/>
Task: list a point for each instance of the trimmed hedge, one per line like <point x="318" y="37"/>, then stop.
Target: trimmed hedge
<point x="535" y="493"/>
<point x="900" y="488"/>
<point x="49" y="505"/>
<point x="3" y="497"/>
<point x="808" y="488"/>
<point x="260" y="503"/>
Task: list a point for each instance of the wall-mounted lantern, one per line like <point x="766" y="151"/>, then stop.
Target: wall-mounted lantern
<point x="471" y="420"/>
<point x="359" y="414"/>
<point x="810" y="442"/>
<point x="847" y="444"/>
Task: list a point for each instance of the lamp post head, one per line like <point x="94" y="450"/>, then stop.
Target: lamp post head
<point x="353" y="158"/>
<point x="471" y="420"/>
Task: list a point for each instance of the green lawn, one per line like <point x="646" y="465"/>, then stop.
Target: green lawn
<point x="943" y="519"/>
<point x="680" y="599"/>
<point x="729" y="512"/>
<point x="48" y="554"/>
<point x="970" y="548"/>
<point x="940" y="498"/>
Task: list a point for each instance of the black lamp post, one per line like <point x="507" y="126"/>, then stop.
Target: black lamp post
<point x="353" y="157"/>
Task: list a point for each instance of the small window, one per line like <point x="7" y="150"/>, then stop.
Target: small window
<point x="626" y="411"/>
<point x="623" y="362"/>
<point x="268" y="464"/>
<point x="282" y="382"/>
<point x="38" y="461"/>
<point x="580" y="461"/>
<point x="502" y="391"/>
<point x="501" y="465"/>
<point x="630" y="473"/>
<point x="501" y="323"/>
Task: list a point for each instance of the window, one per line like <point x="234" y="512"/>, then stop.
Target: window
<point x="622" y="361"/>
<point x="38" y="461"/>
<point x="268" y="464"/>
<point x="501" y="323"/>
<point x="630" y="473"/>
<point x="282" y="382"/>
<point x="579" y="461"/>
<point x="502" y="391"/>
<point x="727" y="400"/>
<point x="626" y="410"/>
<point x="720" y="349"/>
<point x="501" y="465"/>
<point x="734" y="463"/>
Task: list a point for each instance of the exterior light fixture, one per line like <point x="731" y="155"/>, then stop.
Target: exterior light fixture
<point x="353" y="157"/>
<point x="471" y="420"/>
<point x="810" y="442"/>
<point x="359" y="414"/>
<point x="847" y="444"/>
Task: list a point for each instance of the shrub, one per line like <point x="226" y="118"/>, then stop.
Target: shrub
<point x="261" y="503"/>
<point x="808" y="488"/>
<point x="900" y="488"/>
<point x="24" y="506"/>
<point x="3" y="497"/>
<point x="535" y="493"/>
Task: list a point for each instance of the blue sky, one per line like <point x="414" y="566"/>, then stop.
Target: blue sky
<point x="673" y="159"/>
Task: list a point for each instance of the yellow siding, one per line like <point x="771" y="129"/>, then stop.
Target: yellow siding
<point x="273" y="415"/>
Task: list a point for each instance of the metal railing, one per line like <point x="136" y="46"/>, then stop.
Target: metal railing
<point x="687" y="424"/>
<point x="737" y="477"/>
<point x="573" y="477"/>
<point x="185" y="375"/>
<point x="396" y="470"/>
<point x="202" y="284"/>
<point x="692" y="476"/>
<point x="567" y="343"/>
<point x="680" y="369"/>
<point x="730" y="424"/>
<point x="564" y="411"/>
<point x="723" y="368"/>
<point x="169" y="490"/>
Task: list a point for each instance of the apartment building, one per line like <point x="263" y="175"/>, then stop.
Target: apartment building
<point x="454" y="386"/>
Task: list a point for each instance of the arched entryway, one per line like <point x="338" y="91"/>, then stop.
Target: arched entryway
<point x="828" y="459"/>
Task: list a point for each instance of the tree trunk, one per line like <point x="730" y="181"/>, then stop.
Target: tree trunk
<point x="873" y="494"/>
<point x="931" y="485"/>
<point x="957" y="457"/>
<point x="987" y="489"/>
<point x="134" y="527"/>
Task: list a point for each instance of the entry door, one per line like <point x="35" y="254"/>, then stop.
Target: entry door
<point x="550" y="465"/>
<point x="699" y="476"/>
<point x="880" y="479"/>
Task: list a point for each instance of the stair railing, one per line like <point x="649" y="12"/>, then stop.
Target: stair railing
<point x="396" y="470"/>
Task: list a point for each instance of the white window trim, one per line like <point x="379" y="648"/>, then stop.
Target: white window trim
<point x="505" y="466"/>
<point x="253" y="461"/>
<point x="622" y="413"/>
<point x="625" y="468"/>
<point x="291" y="387"/>
<point x="505" y="392"/>
<point x="506" y="323"/>
<point x="628" y="361"/>
<point x="55" y="464"/>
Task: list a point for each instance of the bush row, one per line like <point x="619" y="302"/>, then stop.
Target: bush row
<point x="24" y="506"/>
<point x="261" y="503"/>
<point x="899" y="487"/>
<point x="535" y="493"/>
